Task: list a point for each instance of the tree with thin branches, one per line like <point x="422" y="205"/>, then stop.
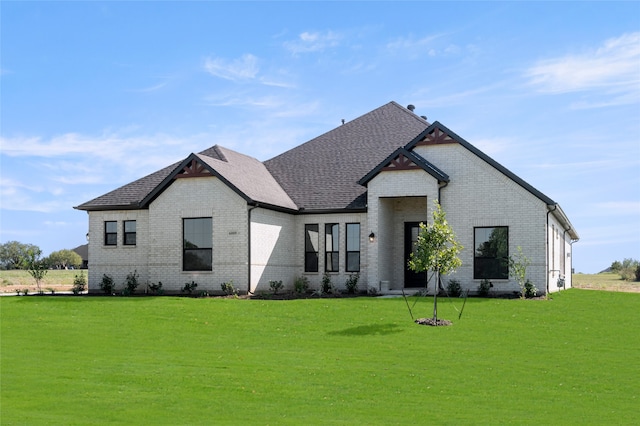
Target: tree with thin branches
<point x="436" y="250"/>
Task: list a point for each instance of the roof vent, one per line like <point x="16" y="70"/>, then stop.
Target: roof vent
<point x="424" y="117"/>
<point x="411" y="107"/>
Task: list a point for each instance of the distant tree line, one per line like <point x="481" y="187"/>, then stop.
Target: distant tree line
<point x="16" y="255"/>
<point x="628" y="269"/>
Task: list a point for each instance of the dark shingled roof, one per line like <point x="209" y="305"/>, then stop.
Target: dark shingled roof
<point x="323" y="174"/>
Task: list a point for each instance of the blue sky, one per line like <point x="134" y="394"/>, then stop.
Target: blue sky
<point x="96" y="94"/>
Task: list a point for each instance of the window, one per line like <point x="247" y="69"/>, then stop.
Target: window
<point x="491" y="253"/>
<point x="198" y="242"/>
<point x="111" y="233"/>
<point x="332" y="247"/>
<point x="353" y="247"/>
<point x="311" y="238"/>
<point x="129" y="232"/>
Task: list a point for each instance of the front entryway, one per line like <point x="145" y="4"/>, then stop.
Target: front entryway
<point x="411" y="278"/>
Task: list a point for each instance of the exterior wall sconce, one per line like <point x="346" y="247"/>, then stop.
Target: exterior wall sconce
<point x="372" y="237"/>
<point x="87" y="237"/>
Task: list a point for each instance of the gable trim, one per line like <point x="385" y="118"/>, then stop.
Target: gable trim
<point x="437" y="125"/>
<point x="186" y="164"/>
<point x="403" y="159"/>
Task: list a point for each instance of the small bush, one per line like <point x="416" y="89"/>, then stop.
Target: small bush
<point x="372" y="291"/>
<point x="189" y="287"/>
<point x="107" y="285"/>
<point x="51" y="290"/>
<point x="275" y="286"/>
<point x="638" y="273"/>
<point x="352" y="283"/>
<point x="156" y="288"/>
<point x="530" y="290"/>
<point x="131" y="283"/>
<point x="454" y="289"/>
<point x="25" y="291"/>
<point x="301" y="284"/>
<point x="229" y="289"/>
<point x="79" y="283"/>
<point x="326" y="287"/>
<point x="484" y="288"/>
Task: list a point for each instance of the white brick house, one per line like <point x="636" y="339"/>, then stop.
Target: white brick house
<point x="347" y="201"/>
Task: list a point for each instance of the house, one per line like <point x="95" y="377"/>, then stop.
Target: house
<point x="348" y="201"/>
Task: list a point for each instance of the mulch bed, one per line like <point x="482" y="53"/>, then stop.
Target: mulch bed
<point x="432" y="322"/>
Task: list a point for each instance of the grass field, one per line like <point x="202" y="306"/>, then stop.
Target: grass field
<point x="604" y="281"/>
<point x="169" y="360"/>
<point x="58" y="280"/>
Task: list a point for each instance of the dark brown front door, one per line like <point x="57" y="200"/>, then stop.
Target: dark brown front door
<point x="412" y="279"/>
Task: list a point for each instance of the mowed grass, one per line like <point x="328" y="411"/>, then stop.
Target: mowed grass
<point x="177" y="361"/>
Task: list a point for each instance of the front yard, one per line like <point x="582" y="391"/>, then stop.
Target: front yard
<point x="174" y="360"/>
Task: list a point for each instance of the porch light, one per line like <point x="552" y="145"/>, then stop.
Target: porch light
<point x="372" y="237"/>
<point x="87" y="237"/>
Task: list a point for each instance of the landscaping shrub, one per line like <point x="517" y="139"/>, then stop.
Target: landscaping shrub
<point x="484" y="288"/>
<point x="131" y="283"/>
<point x="79" y="283"/>
<point x="530" y="290"/>
<point x="326" y="287"/>
<point x="454" y="289"/>
<point x="301" y="284"/>
<point x="275" y="286"/>
<point x="352" y="283"/>
<point x="156" y="288"/>
<point x="229" y="289"/>
<point x="189" y="287"/>
<point x="107" y="285"/>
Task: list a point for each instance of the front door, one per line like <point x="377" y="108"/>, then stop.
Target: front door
<point x="412" y="279"/>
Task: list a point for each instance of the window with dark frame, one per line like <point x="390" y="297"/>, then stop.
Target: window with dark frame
<point x="311" y="239"/>
<point x="332" y="247"/>
<point x="111" y="233"/>
<point x="129" y="232"/>
<point x="353" y="247"/>
<point x="197" y="244"/>
<point x="491" y="252"/>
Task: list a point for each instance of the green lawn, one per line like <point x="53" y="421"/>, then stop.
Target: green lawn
<point x="354" y="361"/>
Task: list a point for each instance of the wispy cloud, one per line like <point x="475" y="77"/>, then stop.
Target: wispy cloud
<point x="240" y="69"/>
<point x="418" y="47"/>
<point x="612" y="69"/>
<point x="308" y="42"/>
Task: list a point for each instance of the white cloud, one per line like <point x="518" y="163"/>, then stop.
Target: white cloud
<point x="612" y="69"/>
<point x="313" y="42"/>
<point x="243" y="68"/>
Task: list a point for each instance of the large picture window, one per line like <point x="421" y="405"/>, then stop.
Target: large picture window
<point x="332" y="247"/>
<point x="129" y="232"/>
<point x="311" y="238"/>
<point x="491" y="253"/>
<point x="198" y="242"/>
<point x="111" y="233"/>
<point x="353" y="247"/>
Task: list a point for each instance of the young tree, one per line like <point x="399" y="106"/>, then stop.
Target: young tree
<point x="436" y="250"/>
<point x="64" y="259"/>
<point x="36" y="267"/>
<point x="518" y="264"/>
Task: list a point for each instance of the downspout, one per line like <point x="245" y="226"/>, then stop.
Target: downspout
<point x="255" y="206"/>
<point x="546" y="236"/>
<point x="438" y="283"/>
